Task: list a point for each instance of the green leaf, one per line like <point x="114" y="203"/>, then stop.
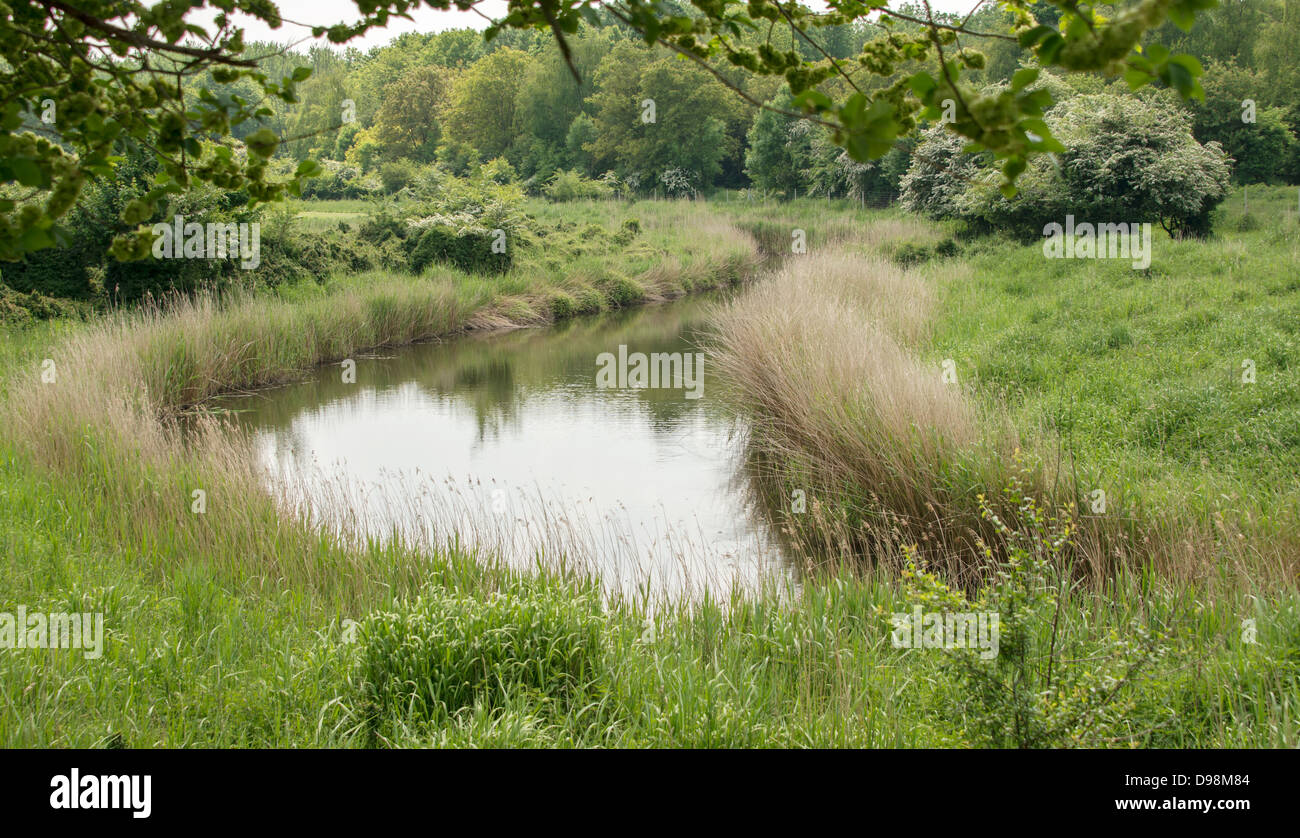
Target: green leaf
<point x="812" y="99"/>
<point x="922" y="83"/>
<point x="1023" y="78"/>
<point x="27" y="173"/>
<point x="1182" y="17"/>
<point x="1051" y="48"/>
<point x="1136" y="78"/>
<point x="1031" y="37"/>
<point x="262" y="142"/>
<point x="34" y="238"/>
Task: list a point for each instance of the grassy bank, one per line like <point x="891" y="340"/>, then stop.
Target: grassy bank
<point x="1138" y="378"/>
<point x="1121" y="392"/>
<point x="226" y="627"/>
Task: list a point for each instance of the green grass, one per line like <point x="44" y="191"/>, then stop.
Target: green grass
<point x="1138" y="374"/>
<point x="198" y="658"/>
<point x="230" y="631"/>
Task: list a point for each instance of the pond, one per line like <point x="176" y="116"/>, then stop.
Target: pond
<point x="534" y="444"/>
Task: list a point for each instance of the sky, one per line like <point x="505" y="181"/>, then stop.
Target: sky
<point x="325" y="12"/>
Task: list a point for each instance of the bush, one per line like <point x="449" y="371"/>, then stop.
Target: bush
<point x="80" y="267"/>
<point x="908" y="254"/>
<point x="396" y="175"/>
<point x="339" y="182"/>
<point x="622" y="291"/>
<point x="938" y="175"/>
<point x="630" y="230"/>
<point x="574" y="186"/>
<point x="1040" y="689"/>
<point x="1128" y="161"/>
<point x="443" y="652"/>
<point x="464" y="245"/>
<point x="17" y="308"/>
<point x="562" y="305"/>
<point x="1261" y="149"/>
<point x="590" y="301"/>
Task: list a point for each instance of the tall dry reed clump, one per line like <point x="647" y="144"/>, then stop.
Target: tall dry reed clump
<point x="886" y="452"/>
<point x="110" y="425"/>
<point x="874" y="437"/>
<point x="823" y="357"/>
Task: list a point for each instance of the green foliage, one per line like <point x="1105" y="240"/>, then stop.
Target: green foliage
<point x="1166" y="417"/>
<point x="339" y="181"/>
<point x="430" y="658"/>
<point x="1040" y="690"/>
<point x="397" y="175"/>
<point x="654" y="115"/>
<point x="19" y="309"/>
<point x="622" y="291"/>
<point x="82" y="267"/>
<point x="1254" y="134"/>
<point x="1128" y="161"/>
<point x="87" y="89"/>
<point x="481" y="110"/>
<point x="574" y="186"/>
<point x="459" y="242"/>
<point x="778" y="151"/>
<point x="940" y="173"/>
<point x="562" y="305"/>
<point x="407" y="125"/>
<point x="226" y="118"/>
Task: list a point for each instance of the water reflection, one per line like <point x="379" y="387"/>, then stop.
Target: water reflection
<point x="506" y="439"/>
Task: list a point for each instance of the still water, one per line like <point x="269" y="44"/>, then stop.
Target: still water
<point x="506" y="440"/>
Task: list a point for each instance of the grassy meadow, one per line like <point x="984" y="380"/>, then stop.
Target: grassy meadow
<point x="1125" y="628"/>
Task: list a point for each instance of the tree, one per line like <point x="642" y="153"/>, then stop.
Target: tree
<point x="616" y="106"/>
<point x="778" y="155"/>
<point x="549" y="100"/>
<point x="101" y="72"/>
<point x="1128" y="161"/>
<point x="653" y="116"/>
<point x="483" y="98"/>
<point x="1255" y="136"/>
<point x="115" y="69"/>
<point x="407" y="125"/>
<point x="321" y="108"/>
<point x="582" y="135"/>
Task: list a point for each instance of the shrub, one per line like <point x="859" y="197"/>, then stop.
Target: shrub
<point x="1040" y="689"/>
<point x="17" y="308"/>
<point x="630" y="230"/>
<point x="590" y="301"/>
<point x="1128" y="161"/>
<point x="498" y="170"/>
<point x="1246" y="223"/>
<point x="82" y="268"/>
<point x="562" y="305"/>
<point x="443" y="652"/>
<point x="571" y="185"/>
<point x="398" y="174"/>
<point x="622" y="291"/>
<point x="939" y="173"/>
<point x="909" y="253"/>
<point x="466" y="247"/>
<point x="338" y="182"/>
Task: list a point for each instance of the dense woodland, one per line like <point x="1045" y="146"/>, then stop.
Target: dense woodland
<point x="451" y="130"/>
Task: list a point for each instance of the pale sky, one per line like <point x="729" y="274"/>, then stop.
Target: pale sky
<point x="326" y="12"/>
